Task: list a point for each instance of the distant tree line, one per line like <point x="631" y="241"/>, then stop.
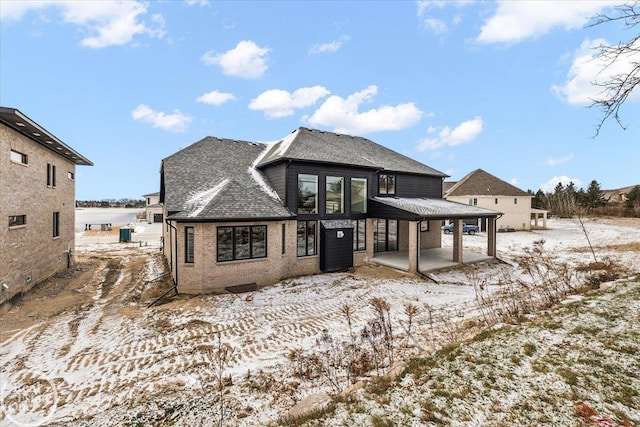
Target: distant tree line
<point x="567" y="201"/>
<point x="111" y="203"/>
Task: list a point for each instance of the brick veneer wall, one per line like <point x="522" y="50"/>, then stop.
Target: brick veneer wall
<point x="30" y="253"/>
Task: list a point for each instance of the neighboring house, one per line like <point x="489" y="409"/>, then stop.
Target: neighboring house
<point x="618" y="195"/>
<point x="239" y="212"/>
<point x="153" y="208"/>
<point x="37" y="203"/>
<point x="480" y="188"/>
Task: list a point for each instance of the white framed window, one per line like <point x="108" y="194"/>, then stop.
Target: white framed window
<point x="18" y="157"/>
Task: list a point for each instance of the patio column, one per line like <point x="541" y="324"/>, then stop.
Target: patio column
<point x="491" y="234"/>
<point x="457" y="240"/>
<point x="414" y="244"/>
<point x="535" y="219"/>
<point x="544" y="220"/>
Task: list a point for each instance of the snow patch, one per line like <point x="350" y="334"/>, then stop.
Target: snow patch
<point x="200" y="200"/>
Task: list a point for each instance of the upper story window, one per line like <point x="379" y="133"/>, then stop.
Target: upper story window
<point x="16" y="220"/>
<point x="307" y="194"/>
<point x="386" y="184"/>
<point x="358" y="195"/>
<point x="18" y="157"/>
<point x="515" y="201"/>
<point x="148" y="200"/>
<point x="495" y="200"/>
<point x="334" y="195"/>
<point x="473" y="201"/>
<point x="71" y="176"/>
<point x="51" y="175"/>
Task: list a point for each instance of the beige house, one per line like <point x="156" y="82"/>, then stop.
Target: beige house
<point x="37" y="203"/>
<point x="153" y="208"/>
<point x="480" y="188"/>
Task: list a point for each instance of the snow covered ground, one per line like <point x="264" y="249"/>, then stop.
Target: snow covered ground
<point x="87" y="351"/>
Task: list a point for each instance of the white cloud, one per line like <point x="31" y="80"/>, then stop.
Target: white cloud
<point x="514" y="181"/>
<point x="246" y="60"/>
<point x="330" y="47"/>
<point x="215" y="98"/>
<point x="560" y="160"/>
<point x="515" y="21"/>
<point x="438" y="26"/>
<point x="587" y="72"/>
<point x="277" y="103"/>
<point x="175" y="122"/>
<point x="113" y="23"/>
<point x="464" y="133"/>
<point x="197" y="2"/>
<point x="550" y="185"/>
<point x="343" y="115"/>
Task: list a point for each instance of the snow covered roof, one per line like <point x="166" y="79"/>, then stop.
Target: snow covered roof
<point x="327" y="147"/>
<point x="435" y="208"/>
<point x="216" y="179"/>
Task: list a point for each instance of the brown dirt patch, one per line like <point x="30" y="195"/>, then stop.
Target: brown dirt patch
<point x="374" y="271"/>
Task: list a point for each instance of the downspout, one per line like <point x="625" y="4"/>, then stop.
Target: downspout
<point x="175" y="281"/>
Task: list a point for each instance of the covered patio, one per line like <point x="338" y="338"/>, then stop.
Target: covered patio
<point x="421" y="257"/>
<point x="430" y="259"/>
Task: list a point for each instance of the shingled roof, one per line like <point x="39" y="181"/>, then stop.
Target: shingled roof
<point x="216" y="179"/>
<point x="328" y="147"/>
<point x="481" y="183"/>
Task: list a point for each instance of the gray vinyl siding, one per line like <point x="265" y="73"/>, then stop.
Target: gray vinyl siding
<point x="418" y="186"/>
<point x="276" y="175"/>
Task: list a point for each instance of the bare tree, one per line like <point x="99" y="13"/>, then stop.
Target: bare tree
<point x="617" y="88"/>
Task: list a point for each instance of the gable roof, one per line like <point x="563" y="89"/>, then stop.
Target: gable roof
<point x="22" y="124"/>
<point x="327" y="147"/>
<point x="481" y="183"/>
<point x="216" y="179"/>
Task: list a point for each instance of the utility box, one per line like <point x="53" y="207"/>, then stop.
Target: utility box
<point x="125" y="235"/>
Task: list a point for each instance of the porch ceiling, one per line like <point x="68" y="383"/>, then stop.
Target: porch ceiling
<point x="422" y="208"/>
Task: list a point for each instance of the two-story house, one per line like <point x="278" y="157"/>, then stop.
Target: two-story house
<point x="37" y="203"/>
<point x="152" y="208"/>
<point x="239" y="212"/>
<point x="480" y="188"/>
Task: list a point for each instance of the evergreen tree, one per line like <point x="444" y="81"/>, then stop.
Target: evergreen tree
<point x="593" y="196"/>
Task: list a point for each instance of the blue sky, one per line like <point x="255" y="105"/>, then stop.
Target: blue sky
<point x="502" y="86"/>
